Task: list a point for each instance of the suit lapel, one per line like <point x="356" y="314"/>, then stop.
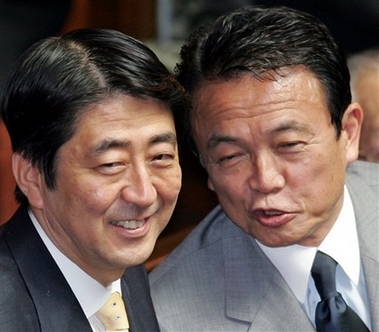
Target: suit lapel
<point x="367" y="216"/>
<point x="280" y="310"/>
<point x="56" y="305"/>
<point x="256" y="291"/>
<point x="136" y="295"/>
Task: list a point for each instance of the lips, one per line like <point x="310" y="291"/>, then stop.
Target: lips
<point x="271" y="218"/>
<point x="130" y="224"/>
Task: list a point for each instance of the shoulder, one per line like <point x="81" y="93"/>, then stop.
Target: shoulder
<point x="197" y="266"/>
<point x="363" y="185"/>
<point x="193" y="250"/>
<point x="364" y="172"/>
<point x="362" y="181"/>
<point x="190" y="287"/>
<point x="13" y="291"/>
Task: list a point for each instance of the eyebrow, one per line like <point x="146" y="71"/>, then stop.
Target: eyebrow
<point x="107" y="144"/>
<point x="294" y="126"/>
<point x="216" y="140"/>
<point x="110" y="143"/>
<point x="168" y="137"/>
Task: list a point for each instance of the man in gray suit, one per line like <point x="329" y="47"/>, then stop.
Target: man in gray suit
<point x="273" y="124"/>
<point x="90" y="115"/>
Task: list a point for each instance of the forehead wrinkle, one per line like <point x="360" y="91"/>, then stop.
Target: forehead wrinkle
<point x="107" y="144"/>
<point x="291" y="125"/>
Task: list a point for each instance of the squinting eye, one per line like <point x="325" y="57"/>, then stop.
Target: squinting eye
<point x="291" y="146"/>
<point x="111" y="168"/>
<point x="110" y="165"/>
<point x="226" y="159"/>
<point x="164" y="156"/>
<point x="231" y="160"/>
<point x="163" y="160"/>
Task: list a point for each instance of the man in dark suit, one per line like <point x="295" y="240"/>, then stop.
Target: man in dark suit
<point x="90" y="116"/>
<point x="274" y="126"/>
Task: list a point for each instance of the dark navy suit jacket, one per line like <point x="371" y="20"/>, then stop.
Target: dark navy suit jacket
<point x="35" y="296"/>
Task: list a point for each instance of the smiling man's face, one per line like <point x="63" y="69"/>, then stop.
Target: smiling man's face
<point x="117" y="182"/>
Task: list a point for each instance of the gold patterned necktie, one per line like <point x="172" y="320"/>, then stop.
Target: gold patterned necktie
<point x="113" y="314"/>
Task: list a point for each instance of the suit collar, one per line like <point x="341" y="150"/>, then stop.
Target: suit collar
<point x="365" y="202"/>
<point x="55" y="303"/>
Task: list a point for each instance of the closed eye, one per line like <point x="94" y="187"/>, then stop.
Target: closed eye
<point x="226" y="158"/>
<point x="289" y="144"/>
<point x="110" y="165"/>
<point x="232" y="159"/>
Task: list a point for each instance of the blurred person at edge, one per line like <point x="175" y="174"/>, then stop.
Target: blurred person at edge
<point x="364" y="71"/>
<point x="90" y="116"/>
<point x="274" y="126"/>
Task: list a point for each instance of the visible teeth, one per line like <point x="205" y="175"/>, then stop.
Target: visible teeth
<point x="130" y="224"/>
<point x="273" y="213"/>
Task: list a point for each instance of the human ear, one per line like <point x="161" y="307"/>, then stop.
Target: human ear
<point x="210" y="185"/>
<point x="28" y="179"/>
<point x="351" y="128"/>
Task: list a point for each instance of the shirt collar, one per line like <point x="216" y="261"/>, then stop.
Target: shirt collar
<point x="295" y="262"/>
<point x="342" y="241"/>
<point x="89" y="292"/>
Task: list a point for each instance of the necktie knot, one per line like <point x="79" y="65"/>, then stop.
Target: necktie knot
<point x="332" y="312"/>
<point x="113" y="314"/>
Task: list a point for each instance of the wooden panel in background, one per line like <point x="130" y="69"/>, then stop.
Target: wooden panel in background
<point x="133" y="17"/>
<point x="7" y="184"/>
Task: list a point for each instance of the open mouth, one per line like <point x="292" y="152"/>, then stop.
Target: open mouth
<point x="271" y="213"/>
<point x="272" y="218"/>
<point x="130" y="224"/>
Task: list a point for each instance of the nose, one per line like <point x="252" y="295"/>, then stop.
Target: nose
<point x="266" y="175"/>
<point x="140" y="189"/>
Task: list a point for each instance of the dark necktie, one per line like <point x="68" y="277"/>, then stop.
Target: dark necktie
<point x="332" y="312"/>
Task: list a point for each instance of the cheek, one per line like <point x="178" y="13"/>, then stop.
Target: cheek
<point x="176" y="183"/>
<point x="91" y="196"/>
<point x="168" y="184"/>
<point x="227" y="188"/>
<point x="311" y="183"/>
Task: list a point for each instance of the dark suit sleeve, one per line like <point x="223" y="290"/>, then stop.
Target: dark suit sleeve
<point x="17" y="311"/>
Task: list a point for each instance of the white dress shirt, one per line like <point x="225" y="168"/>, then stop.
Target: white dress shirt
<point x="90" y="293"/>
<point x="295" y="262"/>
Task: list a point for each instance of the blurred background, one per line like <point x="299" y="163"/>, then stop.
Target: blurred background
<point x="163" y="25"/>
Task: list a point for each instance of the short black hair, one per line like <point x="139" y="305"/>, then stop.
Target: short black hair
<point x="256" y="40"/>
<point x="58" y="77"/>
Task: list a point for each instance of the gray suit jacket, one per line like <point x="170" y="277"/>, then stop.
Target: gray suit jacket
<point x="35" y="296"/>
<point x="218" y="279"/>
